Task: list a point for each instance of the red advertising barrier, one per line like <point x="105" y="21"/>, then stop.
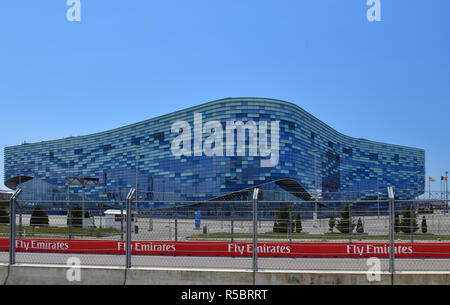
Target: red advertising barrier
<point x="232" y="249"/>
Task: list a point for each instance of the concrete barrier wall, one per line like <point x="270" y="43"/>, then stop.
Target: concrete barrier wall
<point x="57" y="275"/>
<point x="3" y="273"/>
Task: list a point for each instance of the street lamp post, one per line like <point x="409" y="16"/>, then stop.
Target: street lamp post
<point x="419" y="185"/>
<point x="314" y="151"/>
<point x="83" y="181"/>
<point x="446" y="188"/>
<point x="429" y="188"/>
<point x="20" y="209"/>
<point x="378" y="190"/>
<point x="20" y="173"/>
<point x="164" y="189"/>
<point x="83" y="203"/>
<point x="69" y="212"/>
<point x="137" y="182"/>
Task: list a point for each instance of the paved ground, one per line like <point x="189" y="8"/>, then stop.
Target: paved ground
<point x="164" y="229"/>
<point x="304" y="264"/>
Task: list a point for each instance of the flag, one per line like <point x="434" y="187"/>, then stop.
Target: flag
<point x="432" y="179"/>
<point x="443" y="178"/>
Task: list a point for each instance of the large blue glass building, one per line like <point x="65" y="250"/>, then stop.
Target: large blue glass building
<point x="199" y="154"/>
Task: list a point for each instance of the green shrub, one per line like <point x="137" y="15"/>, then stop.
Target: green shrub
<point x="298" y="224"/>
<point x="397" y="223"/>
<point x="282" y="223"/>
<point x="332" y="224"/>
<point x="275" y="227"/>
<point x="77" y="221"/>
<point x="409" y="220"/>
<point x="424" y="225"/>
<point x="4" y="215"/>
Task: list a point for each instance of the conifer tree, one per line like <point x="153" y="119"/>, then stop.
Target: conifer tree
<point x="298" y="224"/>
<point x="359" y="226"/>
<point x="424" y="225"/>
<point x="39" y="217"/>
<point x="331" y="223"/>
<point x="276" y="228"/>
<point x="283" y="220"/>
<point x="344" y="225"/>
<point x="409" y="220"/>
<point x="4" y="215"/>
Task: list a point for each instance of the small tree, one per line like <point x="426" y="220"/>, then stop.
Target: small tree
<point x="424" y="225"/>
<point x="331" y="223"/>
<point x="344" y="225"/>
<point x="282" y="223"/>
<point x="293" y="222"/>
<point x="4" y="215"/>
<point x="298" y="224"/>
<point x="359" y="226"/>
<point x="77" y="220"/>
<point x="39" y="217"/>
<point x="409" y="220"/>
<point x="276" y="228"/>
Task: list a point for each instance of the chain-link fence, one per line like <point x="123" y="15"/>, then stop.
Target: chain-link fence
<point x="4" y="231"/>
<point x="225" y="231"/>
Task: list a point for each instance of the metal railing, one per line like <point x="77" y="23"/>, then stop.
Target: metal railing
<point x="249" y="232"/>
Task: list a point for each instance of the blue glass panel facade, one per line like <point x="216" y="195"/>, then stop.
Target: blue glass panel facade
<point x="345" y="166"/>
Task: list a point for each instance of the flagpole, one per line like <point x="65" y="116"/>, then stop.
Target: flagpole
<point x="446" y="188"/>
<point x="429" y="188"/>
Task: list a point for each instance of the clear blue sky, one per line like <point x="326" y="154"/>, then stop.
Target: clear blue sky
<point x="128" y="61"/>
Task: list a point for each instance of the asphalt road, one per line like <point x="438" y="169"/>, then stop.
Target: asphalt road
<point x="281" y="264"/>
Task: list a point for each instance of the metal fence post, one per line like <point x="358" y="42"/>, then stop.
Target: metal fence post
<point x="150" y="222"/>
<point x="255" y="233"/>
<point x="69" y="215"/>
<point x="439" y="228"/>
<point x="350" y="223"/>
<point x="290" y="225"/>
<point x="391" y="233"/>
<point x="232" y="224"/>
<point x="411" y="222"/>
<point x="12" y="227"/>
<point x="176" y="224"/>
<point x="129" y="199"/>
<point x="121" y="221"/>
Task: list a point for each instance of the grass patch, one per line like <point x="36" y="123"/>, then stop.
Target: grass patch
<point x="325" y="237"/>
<point x="63" y="232"/>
